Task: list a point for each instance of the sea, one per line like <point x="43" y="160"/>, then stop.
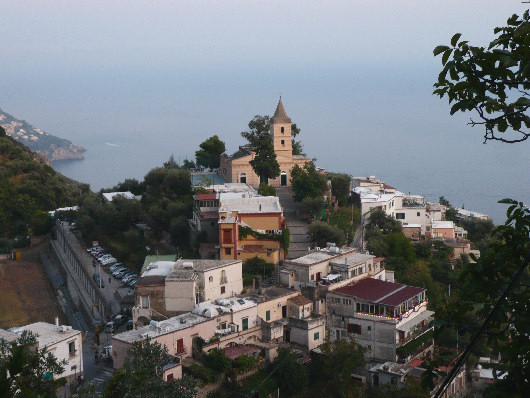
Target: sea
<point x="362" y="121"/>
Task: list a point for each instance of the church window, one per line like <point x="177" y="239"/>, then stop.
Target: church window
<point x="283" y="130"/>
<point x="243" y="178"/>
<point x="283" y="142"/>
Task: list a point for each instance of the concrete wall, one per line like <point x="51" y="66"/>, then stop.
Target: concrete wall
<point x="61" y="352"/>
<point x="180" y="295"/>
<point x="274" y="306"/>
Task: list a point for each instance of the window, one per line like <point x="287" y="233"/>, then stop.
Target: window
<point x="358" y="305"/>
<point x="369" y="328"/>
<point x="223" y="289"/>
<point x="354" y="328"/>
<point x="282" y="130"/>
<point x="223" y="277"/>
<point x="316" y="336"/>
<point x="268" y="315"/>
<point x="227" y="236"/>
<point x="210" y="279"/>
<point x="312" y="277"/>
<point x="71" y="348"/>
<point x="169" y="377"/>
<point x="212" y="224"/>
<point x="400" y="216"/>
<point x="243" y="178"/>
<point x="245" y="323"/>
<point x="180" y="346"/>
<point x="144" y="301"/>
<point x="228" y="251"/>
<point x="418" y="213"/>
<point x="283" y="142"/>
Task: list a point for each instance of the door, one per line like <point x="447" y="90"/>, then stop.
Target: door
<point x="180" y="346"/>
<point x="283" y="179"/>
<point x="287" y="336"/>
<point x="245" y="323"/>
<point x="284" y="311"/>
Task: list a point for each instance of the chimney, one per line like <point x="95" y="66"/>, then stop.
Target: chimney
<point x="56" y="321"/>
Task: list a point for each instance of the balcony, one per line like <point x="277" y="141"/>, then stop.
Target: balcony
<point x="416" y="343"/>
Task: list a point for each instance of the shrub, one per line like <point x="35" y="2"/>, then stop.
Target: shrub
<point x="203" y="373"/>
<point x="217" y="360"/>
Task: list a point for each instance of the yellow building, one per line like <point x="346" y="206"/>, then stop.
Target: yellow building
<point x="244" y="224"/>
<point x="237" y="168"/>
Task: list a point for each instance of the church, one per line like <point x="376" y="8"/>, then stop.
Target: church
<point x="237" y="168"/>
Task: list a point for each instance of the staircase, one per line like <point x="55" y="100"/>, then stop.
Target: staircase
<point x="298" y="228"/>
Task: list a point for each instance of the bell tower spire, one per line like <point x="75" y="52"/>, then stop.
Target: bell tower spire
<point x="281" y="133"/>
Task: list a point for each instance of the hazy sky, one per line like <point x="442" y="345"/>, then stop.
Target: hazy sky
<point x="159" y="77"/>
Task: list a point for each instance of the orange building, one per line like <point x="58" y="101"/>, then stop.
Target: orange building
<point x="237" y="168"/>
<point x="250" y="227"/>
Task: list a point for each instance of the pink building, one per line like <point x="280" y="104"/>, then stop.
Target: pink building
<point x="443" y="230"/>
<point x="175" y="333"/>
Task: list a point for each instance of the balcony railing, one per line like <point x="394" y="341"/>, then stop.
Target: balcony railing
<point x="417" y="333"/>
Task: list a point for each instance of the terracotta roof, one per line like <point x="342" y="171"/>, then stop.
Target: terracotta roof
<point x="280" y="116"/>
<point x="237" y="350"/>
<point x="207" y="196"/>
<point x="381" y="292"/>
<point x="378" y="259"/>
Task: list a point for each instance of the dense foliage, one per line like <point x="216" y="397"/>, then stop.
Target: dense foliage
<point x="261" y="124"/>
<point x="264" y="162"/>
<point x="492" y="81"/>
<point x="210" y="153"/>
<point x="321" y="232"/>
<point x="266" y="190"/>
<point x="307" y="182"/>
<point x="29" y="188"/>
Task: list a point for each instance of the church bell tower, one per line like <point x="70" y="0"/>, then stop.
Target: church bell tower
<point x="281" y="133"/>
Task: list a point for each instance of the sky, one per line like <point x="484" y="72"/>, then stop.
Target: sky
<point x="155" y="78"/>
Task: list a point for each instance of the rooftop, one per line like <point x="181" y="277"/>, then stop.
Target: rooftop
<point x="153" y="258"/>
<point x="352" y="259"/>
<point x="170" y="325"/>
<point x="223" y="306"/>
<point x="109" y="196"/>
<point x="280" y="116"/>
<point x="319" y="256"/>
<point x="160" y="268"/>
<point x="299" y="300"/>
<point x="186" y="269"/>
<point x="237" y="350"/>
<point x="8" y="336"/>
<point x="255" y="204"/>
<point x="443" y="224"/>
<point x="271" y="293"/>
<point x="381" y="292"/>
<point x="48" y="334"/>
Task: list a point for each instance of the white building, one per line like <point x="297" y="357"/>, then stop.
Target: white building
<point x="381" y="316"/>
<point x="63" y="342"/>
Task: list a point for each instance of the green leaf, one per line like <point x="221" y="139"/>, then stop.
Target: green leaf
<point x="502" y="125"/>
<point x="446" y="55"/>
<point x="508" y="201"/>
<point x="455" y="108"/>
<point x="439" y="49"/>
<point x="455" y="38"/>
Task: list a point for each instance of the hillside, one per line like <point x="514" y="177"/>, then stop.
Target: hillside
<point x="50" y="146"/>
<point x="29" y="188"/>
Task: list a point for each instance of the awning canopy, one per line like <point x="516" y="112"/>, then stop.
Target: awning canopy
<point x="414" y="321"/>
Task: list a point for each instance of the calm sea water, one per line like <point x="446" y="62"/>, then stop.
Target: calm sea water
<point x="362" y="121"/>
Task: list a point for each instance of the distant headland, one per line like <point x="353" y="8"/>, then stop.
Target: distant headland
<point x="51" y="147"/>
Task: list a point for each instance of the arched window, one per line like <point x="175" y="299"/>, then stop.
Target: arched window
<point x="283" y="179"/>
<point x="282" y="130"/>
<point x="243" y="178"/>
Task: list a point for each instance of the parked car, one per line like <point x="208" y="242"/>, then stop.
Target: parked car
<point x="121" y="274"/>
<point x="134" y="282"/>
<point x="110" y="327"/>
<point x="119" y="320"/>
<point x="118" y="271"/>
<point x="98" y="280"/>
<point x="130" y="282"/>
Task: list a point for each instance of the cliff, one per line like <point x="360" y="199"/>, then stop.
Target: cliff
<point x="45" y="144"/>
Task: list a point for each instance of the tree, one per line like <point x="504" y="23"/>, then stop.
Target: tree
<point x="25" y="369"/>
<point x="340" y="188"/>
<point x="332" y="369"/>
<point x="307" y="182"/>
<point x="500" y="270"/>
<point x="264" y="163"/>
<point x="266" y="190"/>
<point x="297" y="145"/>
<point x="142" y="375"/>
<point x="312" y="206"/>
<point x="321" y="233"/>
<point x="291" y="375"/>
<point x="210" y="153"/>
<point x="493" y="82"/>
<point x="217" y="360"/>
<point x="257" y="126"/>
